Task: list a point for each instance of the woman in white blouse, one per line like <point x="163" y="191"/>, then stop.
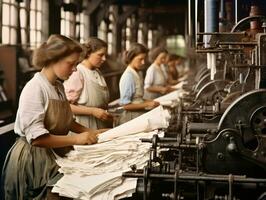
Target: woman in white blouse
<point x="155" y="83"/>
<point x="43" y="121"/>
<point x="86" y="88"/>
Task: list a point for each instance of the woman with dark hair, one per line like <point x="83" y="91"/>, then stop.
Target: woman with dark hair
<point x="86" y="88"/>
<point x="43" y="121"/>
<point x="155" y="83"/>
<point x="131" y="84"/>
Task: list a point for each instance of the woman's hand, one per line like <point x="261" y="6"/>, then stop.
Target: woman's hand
<point x="86" y="138"/>
<point x="102" y="114"/>
<point x="151" y="104"/>
<point x="170" y="89"/>
<point x="163" y="90"/>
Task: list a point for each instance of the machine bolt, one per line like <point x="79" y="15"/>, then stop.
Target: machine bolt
<point x="220" y="156"/>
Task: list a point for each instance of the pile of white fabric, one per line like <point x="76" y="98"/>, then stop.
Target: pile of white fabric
<point x="154" y="119"/>
<point x="94" y="171"/>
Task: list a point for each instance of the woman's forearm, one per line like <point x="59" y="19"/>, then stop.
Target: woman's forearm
<point x="81" y="110"/>
<point x="131" y="106"/>
<point x="55" y="141"/>
<point x="157" y="89"/>
<point x="78" y="128"/>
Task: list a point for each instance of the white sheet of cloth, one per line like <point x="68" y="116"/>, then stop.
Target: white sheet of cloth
<point x="94" y="171"/>
<point x="154" y="119"/>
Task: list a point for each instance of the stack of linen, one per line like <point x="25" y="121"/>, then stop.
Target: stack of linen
<point x="95" y="171"/>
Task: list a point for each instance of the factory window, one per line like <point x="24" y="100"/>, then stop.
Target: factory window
<point x="140" y="38"/>
<point x="9" y="22"/>
<point x="102" y="30"/>
<point x="23" y="13"/>
<point x="128" y="32"/>
<point x="35" y="23"/>
<point x="176" y="44"/>
<point x="110" y="41"/>
<point x="150" y="37"/>
<point x="68" y="22"/>
<point x="80" y="27"/>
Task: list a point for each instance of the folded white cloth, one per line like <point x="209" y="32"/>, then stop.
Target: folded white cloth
<point x="94" y="171"/>
<point x="154" y="119"/>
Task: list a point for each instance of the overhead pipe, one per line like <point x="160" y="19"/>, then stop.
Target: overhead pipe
<point x="211" y="24"/>
<point x="222" y="16"/>
<point x="189" y="23"/>
<point x="196" y="23"/>
<point x="236" y="11"/>
<point x="211" y="18"/>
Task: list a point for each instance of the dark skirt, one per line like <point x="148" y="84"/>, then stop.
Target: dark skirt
<point x="28" y="172"/>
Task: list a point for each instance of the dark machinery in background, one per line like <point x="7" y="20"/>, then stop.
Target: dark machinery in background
<point x="215" y="146"/>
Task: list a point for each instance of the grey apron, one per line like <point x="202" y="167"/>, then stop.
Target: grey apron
<point x="93" y="95"/>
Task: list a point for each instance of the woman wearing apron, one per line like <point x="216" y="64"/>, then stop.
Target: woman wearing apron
<point x="131" y="85"/>
<point x="43" y="121"/>
<point x="86" y="88"/>
<point x="155" y="83"/>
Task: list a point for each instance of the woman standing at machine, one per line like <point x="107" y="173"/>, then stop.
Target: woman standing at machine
<point x="43" y="121"/>
<point x="131" y="84"/>
<point x="86" y="88"/>
<point x="155" y="83"/>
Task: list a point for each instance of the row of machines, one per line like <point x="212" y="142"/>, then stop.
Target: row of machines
<point x="215" y="146"/>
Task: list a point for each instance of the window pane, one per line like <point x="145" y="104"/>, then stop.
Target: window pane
<point x="128" y="32"/>
<point x="5" y="34"/>
<point x="13" y="36"/>
<point x="109" y="49"/>
<point x="32" y="37"/>
<point x="23" y="36"/>
<point x="81" y="18"/>
<point x="22" y="4"/>
<point x="6" y="14"/>
<point x="62" y="13"/>
<point x="39" y="5"/>
<point x="67" y="16"/>
<point x="23" y="18"/>
<point x="62" y="31"/>
<point x="81" y="30"/>
<point x="67" y="28"/>
<point x="110" y="37"/>
<point x="32" y="20"/>
<point x="39" y="20"/>
<point x="39" y="37"/>
<point x="7" y="1"/>
<point x="13" y="13"/>
<point x="33" y="4"/>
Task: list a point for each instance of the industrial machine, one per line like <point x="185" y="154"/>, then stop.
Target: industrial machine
<point x="215" y="146"/>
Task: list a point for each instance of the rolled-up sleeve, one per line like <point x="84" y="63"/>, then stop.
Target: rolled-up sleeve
<point x="73" y="87"/>
<point x="149" y="78"/>
<point x="31" y="113"/>
<point x="127" y="89"/>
